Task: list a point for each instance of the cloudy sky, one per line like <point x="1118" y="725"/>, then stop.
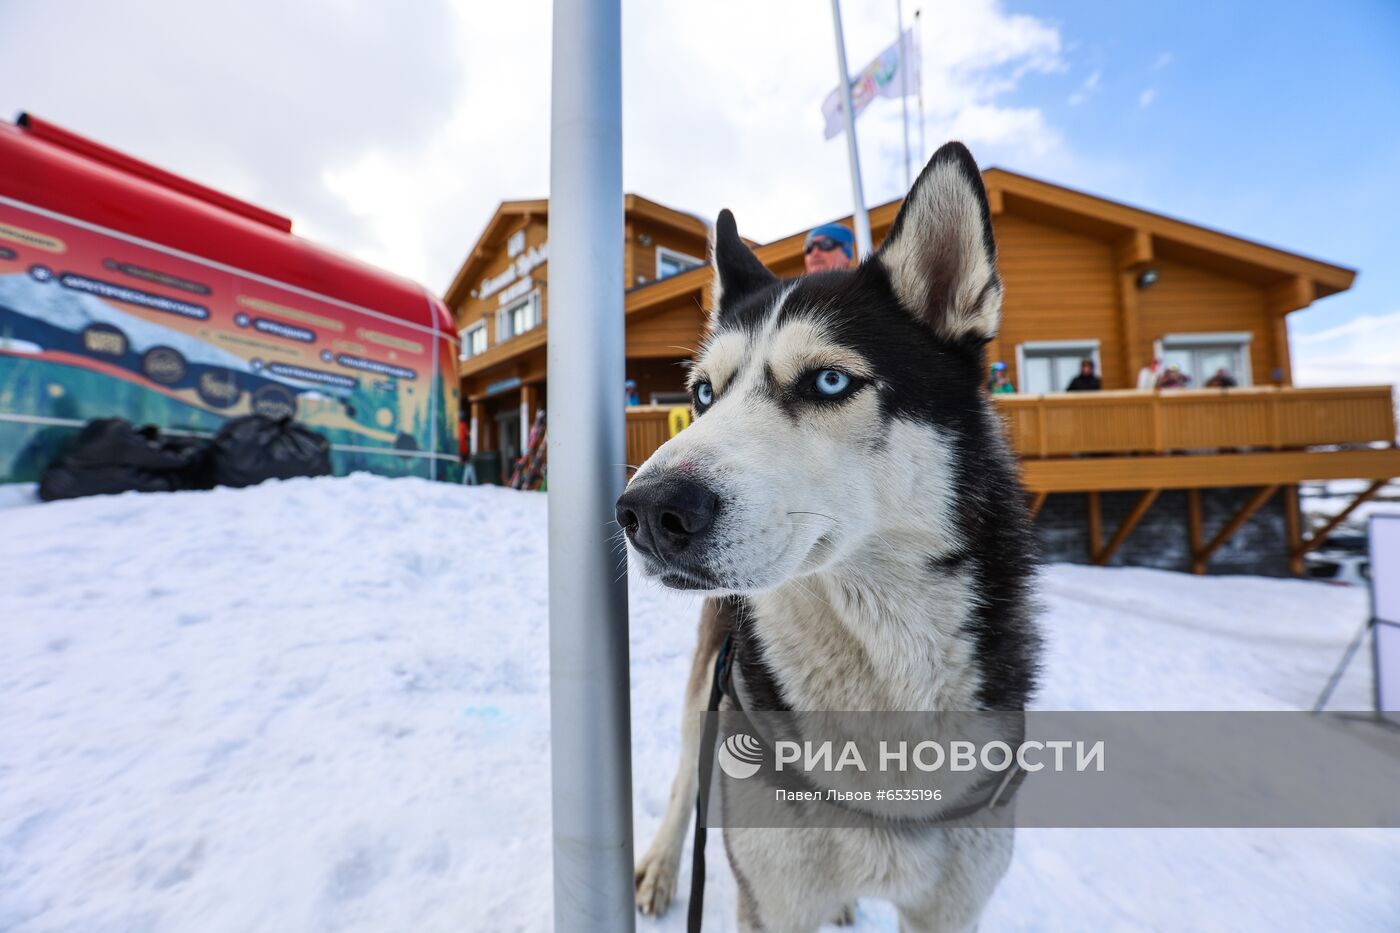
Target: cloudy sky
<point x="391" y="130"/>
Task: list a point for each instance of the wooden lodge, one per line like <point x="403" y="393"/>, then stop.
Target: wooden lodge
<point x="1199" y="479"/>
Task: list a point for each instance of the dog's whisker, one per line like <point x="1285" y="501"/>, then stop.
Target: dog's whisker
<point x="829" y="518"/>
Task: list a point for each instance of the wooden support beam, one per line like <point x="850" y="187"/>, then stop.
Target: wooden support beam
<point x="1126" y="527"/>
<point x="1037" y="502"/>
<point x="1193" y="529"/>
<point x="996" y="203"/>
<point x="1095" y="524"/>
<point x="1292" y="294"/>
<point x="1129" y="328"/>
<point x="1292" y="520"/>
<point x="1131" y="252"/>
<point x="529" y="404"/>
<point x="1283" y="358"/>
<point x="1233" y="525"/>
<point x="1133" y="249"/>
<point x="1323" y="533"/>
<point x="476" y="427"/>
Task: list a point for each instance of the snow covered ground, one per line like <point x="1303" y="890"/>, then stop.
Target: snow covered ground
<point x="323" y="705"/>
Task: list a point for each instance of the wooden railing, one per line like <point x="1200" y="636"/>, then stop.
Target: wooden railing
<point x="647" y="429"/>
<point x="1197" y="419"/>
<point x="1059" y="425"/>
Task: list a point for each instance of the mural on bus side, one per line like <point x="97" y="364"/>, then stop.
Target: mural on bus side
<point x="92" y="326"/>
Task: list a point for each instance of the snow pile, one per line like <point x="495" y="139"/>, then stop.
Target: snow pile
<point x="323" y="705"/>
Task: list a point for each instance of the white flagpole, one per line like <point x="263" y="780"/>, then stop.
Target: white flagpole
<point x="919" y="45"/>
<point x="904" y="91"/>
<point x="862" y="219"/>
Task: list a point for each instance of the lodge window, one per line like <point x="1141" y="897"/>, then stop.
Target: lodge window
<point x="1049" y="365"/>
<point x="518" y="317"/>
<point x="1201" y="356"/>
<point x="669" y="263"/>
<point x="473" y="340"/>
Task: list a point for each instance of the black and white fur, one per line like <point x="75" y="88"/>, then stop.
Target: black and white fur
<point x="869" y="547"/>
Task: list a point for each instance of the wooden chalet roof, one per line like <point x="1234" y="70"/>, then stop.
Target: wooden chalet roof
<point x="1141" y="236"/>
<point x="509" y="213"/>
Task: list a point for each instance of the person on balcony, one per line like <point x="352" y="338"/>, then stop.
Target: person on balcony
<point x="1221" y="380"/>
<point x="1173" y="378"/>
<point x="830" y="246"/>
<point x="1087" y="380"/>
<point x="1149" y="375"/>
<point x="999" y="384"/>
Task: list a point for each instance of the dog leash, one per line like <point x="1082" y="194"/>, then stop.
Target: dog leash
<point x="719" y="686"/>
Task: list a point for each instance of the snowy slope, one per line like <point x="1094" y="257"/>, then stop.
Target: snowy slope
<point x="323" y="705"/>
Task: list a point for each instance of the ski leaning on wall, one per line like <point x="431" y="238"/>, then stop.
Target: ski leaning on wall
<point x="530" y="465"/>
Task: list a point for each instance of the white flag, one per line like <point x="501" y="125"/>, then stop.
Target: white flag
<point x="881" y="78"/>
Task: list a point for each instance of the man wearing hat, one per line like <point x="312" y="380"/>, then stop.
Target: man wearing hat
<point x="830" y="246"/>
<point x="999" y="383"/>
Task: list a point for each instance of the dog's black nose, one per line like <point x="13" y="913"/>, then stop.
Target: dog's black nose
<point x="662" y="516"/>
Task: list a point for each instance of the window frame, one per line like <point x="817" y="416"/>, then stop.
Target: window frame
<point x="532" y="300"/>
<point x="694" y="261"/>
<point x="1088" y="346"/>
<point x="464" y="351"/>
<point x="1240" y="340"/>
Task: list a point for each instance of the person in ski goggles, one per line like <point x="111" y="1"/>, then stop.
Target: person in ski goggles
<point x="830" y="246"/>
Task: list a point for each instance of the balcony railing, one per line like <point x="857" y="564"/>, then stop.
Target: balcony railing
<point x="1163" y="422"/>
<point x="1197" y="419"/>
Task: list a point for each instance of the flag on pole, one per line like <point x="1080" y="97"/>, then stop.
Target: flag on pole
<point x="880" y="78"/>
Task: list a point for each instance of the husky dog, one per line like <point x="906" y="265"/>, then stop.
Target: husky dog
<point x="847" y="500"/>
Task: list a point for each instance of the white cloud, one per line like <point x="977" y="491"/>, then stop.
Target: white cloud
<point x="1023" y="128"/>
<point x="391" y="132"/>
<point x="254" y="98"/>
<point x="1362" y="351"/>
<point x="1090" y="84"/>
<point x="1146" y="98"/>
<point x="1163" y="60"/>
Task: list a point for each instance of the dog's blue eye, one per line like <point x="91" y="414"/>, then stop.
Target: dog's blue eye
<point x="704" y="395"/>
<point x="832" y="382"/>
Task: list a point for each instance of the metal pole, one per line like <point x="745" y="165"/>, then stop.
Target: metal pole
<point x="904" y="91"/>
<point x="919" y="44"/>
<point x="1368" y="626"/>
<point x="590" y="733"/>
<point x="844" y="82"/>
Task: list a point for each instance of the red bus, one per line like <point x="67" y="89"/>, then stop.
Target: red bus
<point x="129" y="291"/>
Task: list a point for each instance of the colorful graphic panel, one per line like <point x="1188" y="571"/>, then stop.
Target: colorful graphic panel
<point x="92" y="326"/>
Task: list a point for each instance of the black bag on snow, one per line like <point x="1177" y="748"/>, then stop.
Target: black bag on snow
<point x="111" y="455"/>
<point x="253" y="448"/>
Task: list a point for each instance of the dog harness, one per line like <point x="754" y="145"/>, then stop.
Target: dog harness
<point x="721" y="686"/>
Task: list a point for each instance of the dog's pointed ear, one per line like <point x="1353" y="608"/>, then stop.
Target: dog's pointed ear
<point x="737" y="270"/>
<point x="940" y="254"/>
